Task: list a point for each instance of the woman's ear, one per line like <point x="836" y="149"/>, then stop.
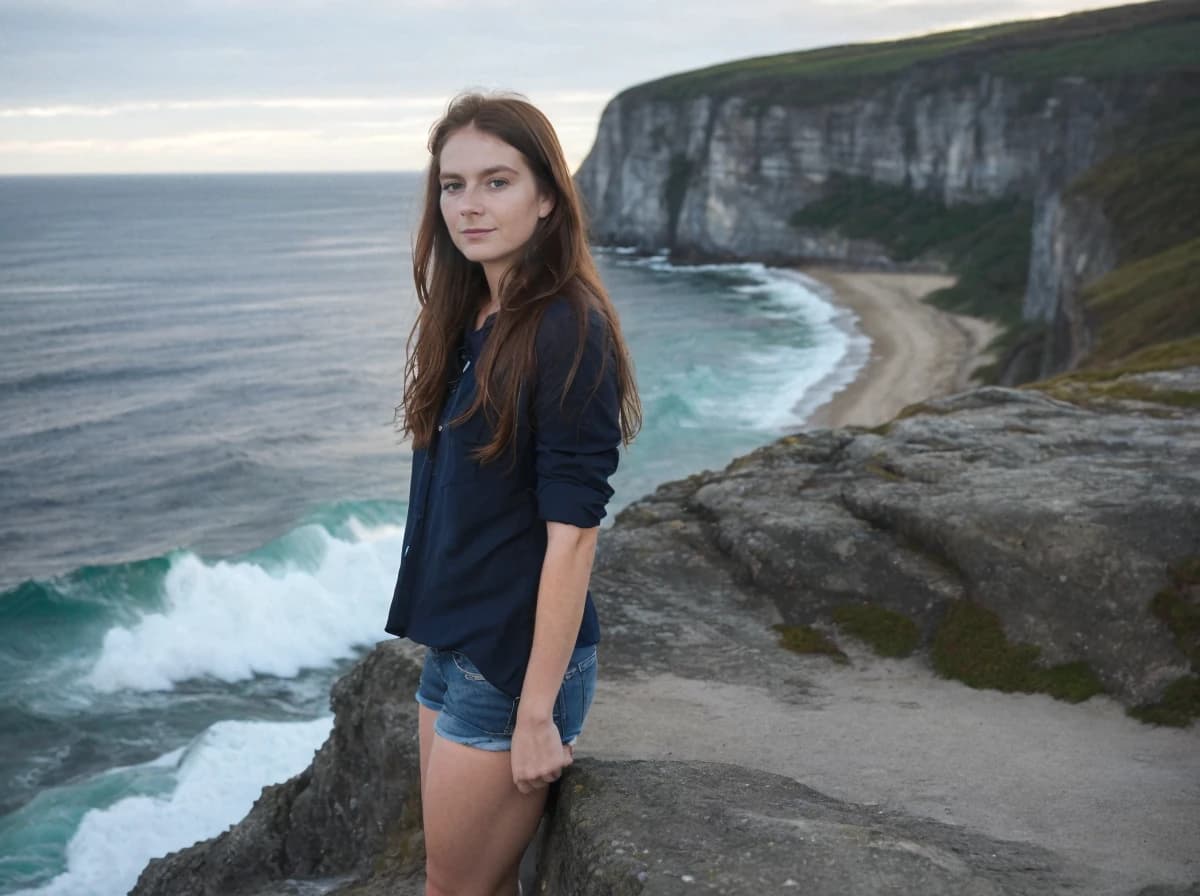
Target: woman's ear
<point x="545" y="204"/>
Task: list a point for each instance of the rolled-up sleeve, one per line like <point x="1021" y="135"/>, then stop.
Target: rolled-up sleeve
<point x="576" y="439"/>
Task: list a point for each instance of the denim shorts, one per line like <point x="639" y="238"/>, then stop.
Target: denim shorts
<point x="474" y="712"/>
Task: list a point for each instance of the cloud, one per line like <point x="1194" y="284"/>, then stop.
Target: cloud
<point x="326" y="104"/>
<point x="111" y="74"/>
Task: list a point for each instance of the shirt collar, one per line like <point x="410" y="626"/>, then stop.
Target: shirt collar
<point x="475" y="337"/>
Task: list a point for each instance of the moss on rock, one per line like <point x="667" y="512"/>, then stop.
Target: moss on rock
<point x="1179" y="706"/>
<point x="1178" y="605"/>
<point x="806" y="639"/>
<point x="1106" y="383"/>
<point x="887" y="632"/>
<point x="970" y="645"/>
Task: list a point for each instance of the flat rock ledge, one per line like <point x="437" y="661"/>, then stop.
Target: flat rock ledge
<point x="738" y="831"/>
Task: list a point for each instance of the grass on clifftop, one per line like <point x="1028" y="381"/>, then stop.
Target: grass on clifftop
<point x="970" y="645"/>
<point x="1146" y="302"/>
<point x="1106" y="43"/>
<point x="1149" y="193"/>
<point x="1098" y="385"/>
<point x="986" y="244"/>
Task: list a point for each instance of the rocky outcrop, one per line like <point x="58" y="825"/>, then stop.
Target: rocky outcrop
<point x="737" y="831"/>
<point x="1064" y="521"/>
<point x="352" y="818"/>
<point x="1072" y="245"/>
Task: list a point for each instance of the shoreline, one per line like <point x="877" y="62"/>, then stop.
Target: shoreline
<point x="917" y="351"/>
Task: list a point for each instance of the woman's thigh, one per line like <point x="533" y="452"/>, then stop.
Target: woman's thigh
<point x="477" y="823"/>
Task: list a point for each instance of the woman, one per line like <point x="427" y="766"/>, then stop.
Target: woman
<point x="518" y="392"/>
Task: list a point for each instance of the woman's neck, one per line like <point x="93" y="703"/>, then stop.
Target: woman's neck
<point x="485" y="309"/>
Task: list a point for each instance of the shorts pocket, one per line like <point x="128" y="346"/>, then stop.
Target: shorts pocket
<point x="582" y="664"/>
<point x="474" y="700"/>
<point x="466" y="667"/>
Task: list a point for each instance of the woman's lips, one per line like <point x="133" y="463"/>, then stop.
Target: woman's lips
<point x="476" y="232"/>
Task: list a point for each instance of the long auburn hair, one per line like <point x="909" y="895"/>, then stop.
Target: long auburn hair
<point x="556" y="262"/>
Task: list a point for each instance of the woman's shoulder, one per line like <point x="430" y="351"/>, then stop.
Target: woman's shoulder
<point x="560" y="320"/>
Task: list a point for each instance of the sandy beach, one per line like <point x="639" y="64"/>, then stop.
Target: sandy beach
<point x="917" y="351"/>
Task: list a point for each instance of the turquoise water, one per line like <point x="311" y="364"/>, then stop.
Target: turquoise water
<point x="203" y="495"/>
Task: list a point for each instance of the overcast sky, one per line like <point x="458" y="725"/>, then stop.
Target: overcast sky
<point x="307" y="85"/>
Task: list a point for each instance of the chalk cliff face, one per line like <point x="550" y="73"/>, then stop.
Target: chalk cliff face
<point x="719" y="176"/>
<point x="722" y="176"/>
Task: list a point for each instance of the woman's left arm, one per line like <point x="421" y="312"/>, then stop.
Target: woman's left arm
<point x="576" y="440"/>
<point x="538" y="751"/>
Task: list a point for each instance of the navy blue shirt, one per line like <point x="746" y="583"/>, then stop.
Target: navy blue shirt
<point x="475" y="538"/>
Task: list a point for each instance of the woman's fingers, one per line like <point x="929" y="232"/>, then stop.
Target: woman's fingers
<point x="530" y="746"/>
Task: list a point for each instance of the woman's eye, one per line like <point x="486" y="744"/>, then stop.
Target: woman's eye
<point x="449" y="186"/>
<point x="498" y="180"/>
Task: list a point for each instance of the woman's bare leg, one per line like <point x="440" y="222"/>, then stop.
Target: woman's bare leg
<point x="426" y="717"/>
<point x="477" y="823"/>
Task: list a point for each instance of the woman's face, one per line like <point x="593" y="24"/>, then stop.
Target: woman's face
<point x="489" y="198"/>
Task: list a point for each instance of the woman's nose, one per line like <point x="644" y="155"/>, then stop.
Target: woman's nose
<point x="469" y="203"/>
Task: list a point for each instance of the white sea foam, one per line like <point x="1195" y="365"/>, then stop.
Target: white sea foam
<point x="232" y="620"/>
<point x="217" y="778"/>
<point x="779" y="385"/>
<point x="842" y="348"/>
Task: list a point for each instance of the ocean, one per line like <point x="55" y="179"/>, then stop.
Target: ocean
<point x="202" y="490"/>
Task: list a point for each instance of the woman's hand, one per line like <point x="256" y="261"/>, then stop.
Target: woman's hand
<point x="538" y="755"/>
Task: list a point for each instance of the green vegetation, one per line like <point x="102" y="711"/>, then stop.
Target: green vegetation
<point x="675" y="187"/>
<point x="1179" y="706"/>
<point x="1120" y="53"/>
<point x="970" y="645"/>
<point x="1178" y="606"/>
<point x="1150" y="193"/>
<point x="806" y="639"/>
<point x="986" y="244"/>
<point x="1146" y="302"/>
<point x="887" y="632"/>
<point x="1098" y="385"/>
<point x="1106" y="43"/>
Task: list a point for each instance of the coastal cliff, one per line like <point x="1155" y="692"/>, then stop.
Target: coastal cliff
<point x="807" y="157"/>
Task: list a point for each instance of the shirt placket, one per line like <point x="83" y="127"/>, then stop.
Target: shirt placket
<point x="431" y="458"/>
